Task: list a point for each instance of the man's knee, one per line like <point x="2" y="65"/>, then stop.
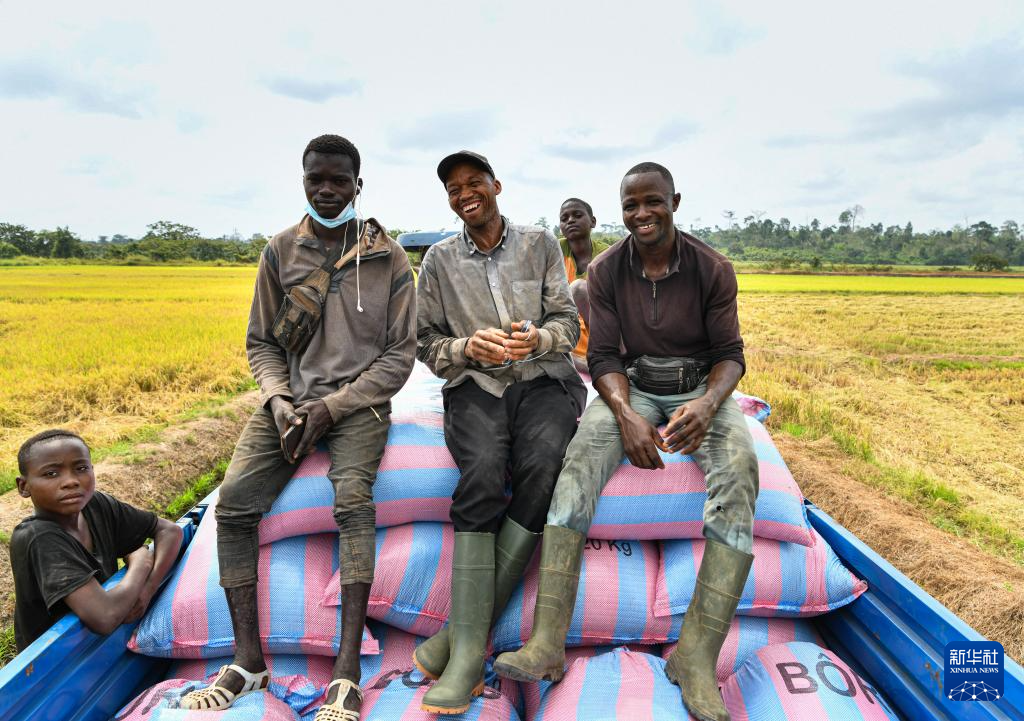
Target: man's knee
<point x="356" y="517"/>
<point x="237" y="505"/>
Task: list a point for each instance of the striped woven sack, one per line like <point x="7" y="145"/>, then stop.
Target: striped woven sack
<point x="395" y="654"/>
<point x="620" y="684"/>
<point x="749" y="634"/>
<point x="669" y="503"/>
<point x="613" y="604"/>
<point x="162" y="702"/>
<point x="190" y="619"/>
<point x="800" y="681"/>
<point x="398" y="698"/>
<point x="533" y="692"/>
<point x="787" y="579"/>
<point x="417" y="478"/>
<point x="412" y="590"/>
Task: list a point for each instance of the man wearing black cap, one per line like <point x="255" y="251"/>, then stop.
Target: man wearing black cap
<point x="495" y="319"/>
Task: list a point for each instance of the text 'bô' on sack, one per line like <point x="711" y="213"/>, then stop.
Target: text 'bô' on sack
<point x="798" y="681"/>
<point x="786" y="579"/>
<point x="190" y="618"/>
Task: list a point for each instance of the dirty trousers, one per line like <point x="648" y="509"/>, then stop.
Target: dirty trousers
<point x="258" y="472"/>
<point x="726" y="456"/>
<point x="520" y="437"/>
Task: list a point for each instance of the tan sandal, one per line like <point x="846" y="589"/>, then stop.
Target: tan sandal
<point x="336" y="711"/>
<point x="218" y="698"/>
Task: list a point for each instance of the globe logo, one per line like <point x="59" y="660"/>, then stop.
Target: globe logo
<point x="974" y="691"/>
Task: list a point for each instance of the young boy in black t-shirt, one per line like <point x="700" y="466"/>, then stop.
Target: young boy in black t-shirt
<point x="63" y="553"/>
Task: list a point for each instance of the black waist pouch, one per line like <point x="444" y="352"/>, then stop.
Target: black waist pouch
<point x="666" y="376"/>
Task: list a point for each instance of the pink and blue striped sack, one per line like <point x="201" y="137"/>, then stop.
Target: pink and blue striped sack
<point x="190" y="619"/>
<point x="798" y="681"/>
<point x="302" y="680"/>
<point x="669" y="503"/>
<point x="162" y="702"/>
<point x="532" y="693"/>
<point x="398" y="698"/>
<point x="613" y="686"/>
<point x="749" y="634"/>
<point x="787" y="579"/>
<point x="616" y="592"/>
<point x="417" y="477"/>
<point x="412" y="590"/>
<point x="412" y="582"/>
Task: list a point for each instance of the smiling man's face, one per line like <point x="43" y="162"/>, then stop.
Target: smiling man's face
<point x="648" y="205"/>
<point x="472" y="194"/>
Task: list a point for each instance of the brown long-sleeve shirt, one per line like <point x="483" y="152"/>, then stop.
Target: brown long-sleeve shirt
<point x="356" y="359"/>
<point x="691" y="312"/>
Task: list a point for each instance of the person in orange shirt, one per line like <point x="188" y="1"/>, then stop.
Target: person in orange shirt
<point x="576" y="221"/>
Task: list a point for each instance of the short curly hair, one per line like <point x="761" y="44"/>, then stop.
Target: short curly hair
<point x="333" y="145"/>
<point x="649" y="167"/>
<point x="27" y="446"/>
<point x="585" y="204"/>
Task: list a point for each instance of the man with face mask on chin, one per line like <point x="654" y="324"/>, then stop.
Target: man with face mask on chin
<point x="326" y="378"/>
<point x="665" y="347"/>
<point x="496" y="321"/>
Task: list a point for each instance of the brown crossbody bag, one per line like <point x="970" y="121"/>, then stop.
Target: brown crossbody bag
<point x="299" y="317"/>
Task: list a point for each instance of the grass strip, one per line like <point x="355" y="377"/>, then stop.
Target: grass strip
<point x="943" y="505"/>
<point x="8" y="647"/>
<point x="196" y="491"/>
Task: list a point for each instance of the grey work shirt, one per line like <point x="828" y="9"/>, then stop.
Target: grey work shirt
<point x="463" y="289"/>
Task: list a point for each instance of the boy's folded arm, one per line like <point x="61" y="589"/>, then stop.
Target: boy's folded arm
<point x="102" y="611"/>
<point x="166" y="544"/>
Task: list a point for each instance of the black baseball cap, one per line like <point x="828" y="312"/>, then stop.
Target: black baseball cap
<point x="463" y="156"/>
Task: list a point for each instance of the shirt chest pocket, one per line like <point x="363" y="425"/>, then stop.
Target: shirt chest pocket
<point x="526" y="300"/>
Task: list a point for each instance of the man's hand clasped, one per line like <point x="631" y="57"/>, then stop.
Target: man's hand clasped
<point x="300" y="428"/>
<point x="688" y="426"/>
<point x="494" y="346"/>
<point x="641" y="441"/>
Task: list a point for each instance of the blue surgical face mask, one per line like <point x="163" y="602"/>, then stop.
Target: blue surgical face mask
<point x="344" y="216"/>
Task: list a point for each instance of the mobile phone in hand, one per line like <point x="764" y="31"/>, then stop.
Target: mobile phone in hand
<point x="290" y="441"/>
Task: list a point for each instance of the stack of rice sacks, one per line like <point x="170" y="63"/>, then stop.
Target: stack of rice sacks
<point x="639" y="566"/>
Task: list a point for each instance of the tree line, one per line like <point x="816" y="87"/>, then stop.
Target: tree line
<point x="164" y="242"/>
<point x="753" y="237"/>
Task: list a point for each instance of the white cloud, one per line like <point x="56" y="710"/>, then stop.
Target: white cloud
<point x="198" y="113"/>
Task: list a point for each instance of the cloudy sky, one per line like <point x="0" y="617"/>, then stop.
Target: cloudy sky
<point x="115" y="115"/>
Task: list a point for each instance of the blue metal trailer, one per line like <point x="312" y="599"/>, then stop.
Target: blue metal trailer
<point x="894" y="635"/>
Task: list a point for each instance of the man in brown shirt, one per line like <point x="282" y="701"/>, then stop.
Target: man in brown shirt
<point x="670" y="300"/>
<point x="337" y="390"/>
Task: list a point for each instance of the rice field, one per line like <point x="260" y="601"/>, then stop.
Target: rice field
<point x="921" y="379"/>
<point x="113" y="351"/>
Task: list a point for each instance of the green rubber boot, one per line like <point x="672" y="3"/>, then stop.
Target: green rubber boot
<point x="723" y="573"/>
<point x="512" y="552"/>
<point x="469" y="624"/>
<point x="543" y="656"/>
